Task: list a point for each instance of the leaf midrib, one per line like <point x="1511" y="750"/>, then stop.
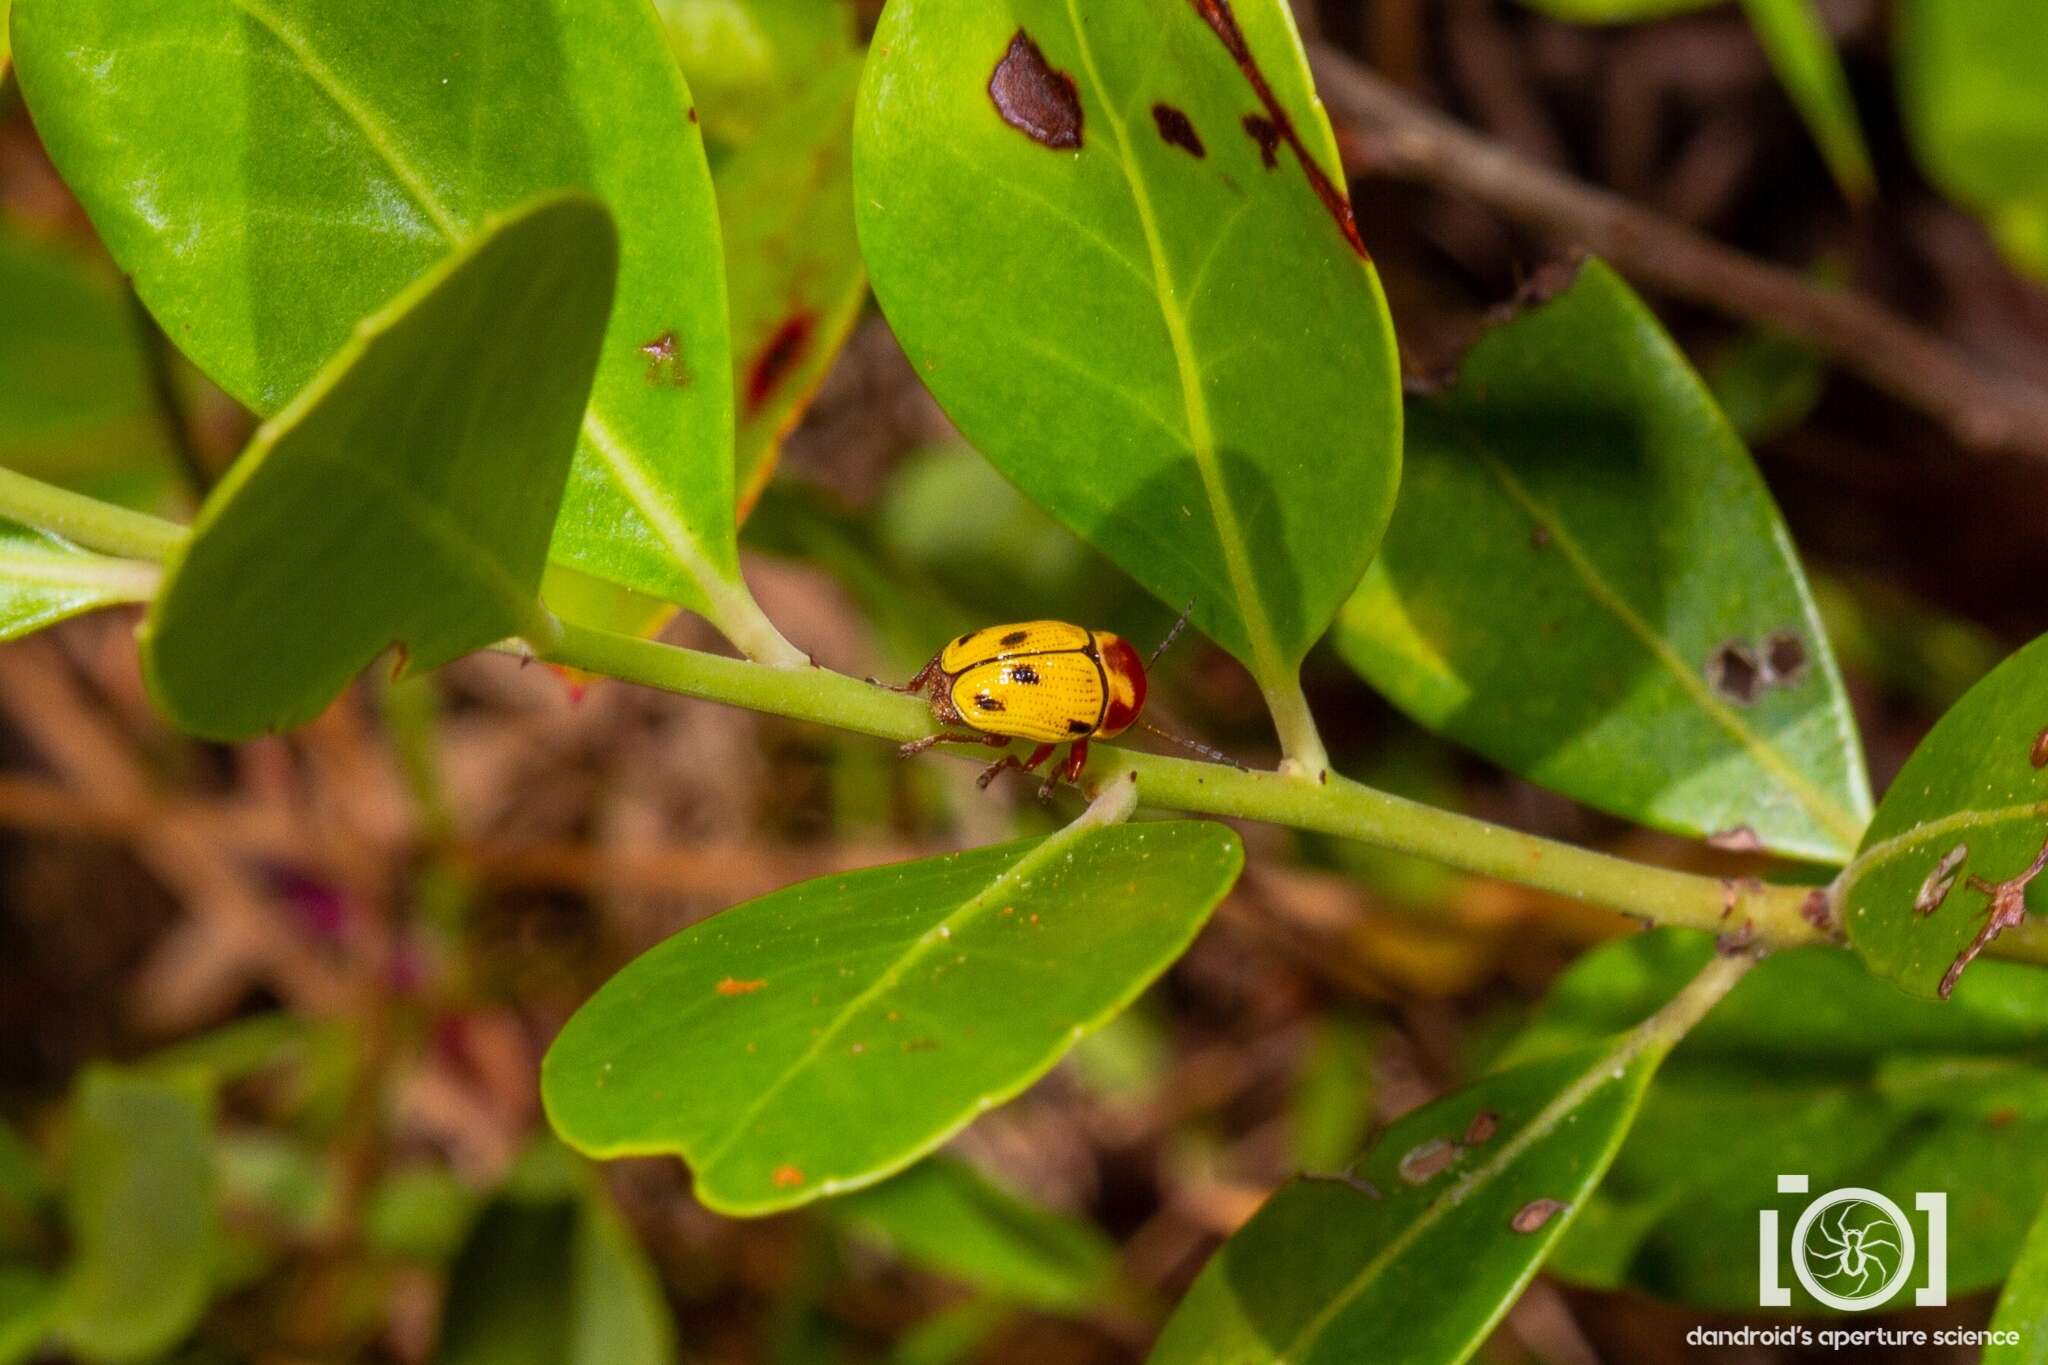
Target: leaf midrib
<point x="1888" y="850"/>
<point x="1831" y="815"/>
<point x="629" y="471"/>
<point x="1266" y="663"/>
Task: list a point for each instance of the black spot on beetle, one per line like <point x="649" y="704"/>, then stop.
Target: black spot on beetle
<point x="1016" y="637"/>
<point x="1178" y="130"/>
<point x="1025" y="674"/>
<point x="965" y="638"/>
<point x="1267" y="134"/>
<point x="1078" y="727"/>
<point x="984" y="702"/>
<point x="1033" y="98"/>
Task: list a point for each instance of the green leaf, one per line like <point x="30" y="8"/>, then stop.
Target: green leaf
<point x="28" y="1299"/>
<point x="45" y="579"/>
<point x="140" y="1205"/>
<point x="1813" y="1066"/>
<point x="1326" y="1272"/>
<point x="1970" y="90"/>
<point x="1913" y="903"/>
<point x="273" y="171"/>
<point x="945" y="1215"/>
<point x="1582" y="544"/>
<point x="1804" y="57"/>
<point x="747" y="60"/>
<point x="1185" y="358"/>
<point x="1766" y="382"/>
<point x="554" y="1281"/>
<point x="2023" y="1308"/>
<point x="793" y="266"/>
<point x="818" y="1039"/>
<point x="404" y="498"/>
<point x="76" y="404"/>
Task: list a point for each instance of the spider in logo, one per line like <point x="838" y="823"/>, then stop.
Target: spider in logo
<point x="1853" y="1254"/>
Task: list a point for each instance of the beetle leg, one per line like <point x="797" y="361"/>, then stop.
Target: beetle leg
<point x="918" y="746"/>
<point x="917" y="684"/>
<point x="1009" y="761"/>
<point x="1068" y="772"/>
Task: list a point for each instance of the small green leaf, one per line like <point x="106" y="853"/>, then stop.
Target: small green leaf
<point x="1970" y="90"/>
<point x="76" y="406"/>
<point x="793" y="267"/>
<point x="1967" y="813"/>
<point x="1586" y="579"/>
<point x="747" y="60"/>
<point x="1472" y="1192"/>
<point x="1804" y="57"/>
<point x="1136" y="298"/>
<point x="818" y="1039"/>
<point x="404" y="498"/>
<point x="945" y="1215"/>
<point x="554" y="1281"/>
<point x="365" y="144"/>
<point x="45" y="579"/>
<point x="2023" y="1307"/>
<point x="140" y="1205"/>
<point x="1811" y="1066"/>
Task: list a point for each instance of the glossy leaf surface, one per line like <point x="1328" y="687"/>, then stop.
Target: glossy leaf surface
<point x="1812" y="1065"/>
<point x="45" y="579"/>
<point x="1978" y="783"/>
<point x="273" y="171"/>
<point x="404" y="498"/>
<point x="75" y="400"/>
<point x="747" y="60"/>
<point x="793" y="266"/>
<point x="1326" y="1273"/>
<point x="823" y="1037"/>
<point x="1127" y="291"/>
<point x="2023" y="1306"/>
<point x="944" y="1214"/>
<point x="1970" y="89"/>
<point x="140" y="1210"/>
<point x="1584" y="577"/>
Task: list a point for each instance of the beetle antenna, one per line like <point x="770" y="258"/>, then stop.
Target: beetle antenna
<point x="1217" y="754"/>
<point x="1172" y="635"/>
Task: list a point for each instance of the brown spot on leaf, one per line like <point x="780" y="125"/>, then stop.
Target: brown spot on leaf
<point x="778" y="356"/>
<point x="2008" y="908"/>
<point x="1223" y="23"/>
<point x="1033" y="98"/>
<point x="1734" y="674"/>
<point x="1741" y="839"/>
<point x="1427" y="1160"/>
<point x="1814" y="910"/>
<point x="1484" y="1125"/>
<point x="1263" y="132"/>
<point x="693" y="113"/>
<point x="788" y="1177"/>
<point x="734" y="986"/>
<point x="1534" y="1214"/>
<point x="1177" y="129"/>
<point x="1940" y="878"/>
<point x="1784" y="659"/>
<point x="665" y="367"/>
<point x="2038" y="755"/>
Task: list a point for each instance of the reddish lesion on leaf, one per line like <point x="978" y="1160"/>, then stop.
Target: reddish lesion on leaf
<point x="778" y="358"/>
<point x="1034" y="98"/>
<point x="2007" y="910"/>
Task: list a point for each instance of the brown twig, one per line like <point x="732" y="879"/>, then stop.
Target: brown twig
<point x="1409" y="141"/>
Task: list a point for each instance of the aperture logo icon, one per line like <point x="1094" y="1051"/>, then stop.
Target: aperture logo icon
<point x="1853" y="1248"/>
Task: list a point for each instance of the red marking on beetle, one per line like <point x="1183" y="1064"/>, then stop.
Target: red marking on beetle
<point x="665" y="367"/>
<point x="1262" y="131"/>
<point x="1035" y="99"/>
<point x="1534" y="1214"/>
<point x="734" y="986"/>
<point x="788" y="1177"/>
<point x="1221" y="21"/>
<point x="777" y="358"/>
<point x="1178" y="130"/>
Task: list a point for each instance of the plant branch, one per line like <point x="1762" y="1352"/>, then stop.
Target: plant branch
<point x="89" y="522"/>
<point x="1410" y="141"/>
<point x="1772" y="914"/>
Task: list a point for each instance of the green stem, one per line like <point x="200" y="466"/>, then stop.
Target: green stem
<point x="86" y="521"/>
<point x="1333" y="805"/>
<point x="1296" y="725"/>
